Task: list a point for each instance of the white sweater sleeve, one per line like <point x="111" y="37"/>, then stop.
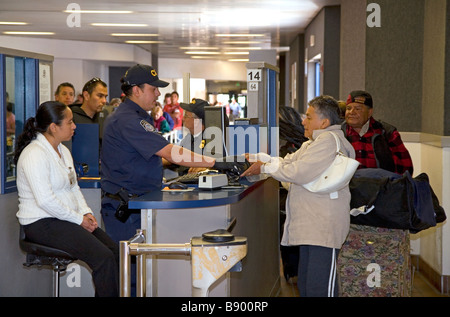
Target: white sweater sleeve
<point x="83" y="207"/>
<point x="305" y="165"/>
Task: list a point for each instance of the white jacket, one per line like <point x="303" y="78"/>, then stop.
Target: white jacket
<point x="312" y="218"/>
<point x="44" y="186"/>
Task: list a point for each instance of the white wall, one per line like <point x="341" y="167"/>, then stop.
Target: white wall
<point x="433" y="245"/>
<point x="207" y="69"/>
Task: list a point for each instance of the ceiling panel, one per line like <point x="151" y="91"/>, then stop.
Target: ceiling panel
<point x="176" y="23"/>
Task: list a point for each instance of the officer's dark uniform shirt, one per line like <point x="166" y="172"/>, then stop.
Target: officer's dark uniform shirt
<point x="128" y="152"/>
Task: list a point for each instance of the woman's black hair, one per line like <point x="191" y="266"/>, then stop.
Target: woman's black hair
<point x="48" y="112"/>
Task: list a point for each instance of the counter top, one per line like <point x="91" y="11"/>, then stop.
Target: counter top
<point x="192" y="199"/>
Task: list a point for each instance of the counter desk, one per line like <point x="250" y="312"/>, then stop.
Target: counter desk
<point x="176" y="217"/>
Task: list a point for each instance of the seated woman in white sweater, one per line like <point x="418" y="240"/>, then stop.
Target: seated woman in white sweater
<point x="52" y="209"/>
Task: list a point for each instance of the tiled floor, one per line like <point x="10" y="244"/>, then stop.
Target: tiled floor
<point x="421" y="287"/>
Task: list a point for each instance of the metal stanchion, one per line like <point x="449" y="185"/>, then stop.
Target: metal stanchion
<point x="211" y="257"/>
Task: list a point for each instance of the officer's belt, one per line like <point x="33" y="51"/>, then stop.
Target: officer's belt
<point x="117" y="197"/>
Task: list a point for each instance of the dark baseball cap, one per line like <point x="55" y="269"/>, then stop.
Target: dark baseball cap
<point x="196" y="106"/>
<point x="360" y="96"/>
<point x="143" y="74"/>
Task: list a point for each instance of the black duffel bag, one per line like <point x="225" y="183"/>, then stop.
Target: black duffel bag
<point x="388" y="200"/>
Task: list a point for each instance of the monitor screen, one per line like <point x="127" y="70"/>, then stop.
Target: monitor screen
<point x="215" y="133"/>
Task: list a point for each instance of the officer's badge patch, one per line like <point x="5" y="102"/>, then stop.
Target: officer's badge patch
<point x="147" y="126"/>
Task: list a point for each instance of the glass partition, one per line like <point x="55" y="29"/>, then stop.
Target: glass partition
<point x="19" y="99"/>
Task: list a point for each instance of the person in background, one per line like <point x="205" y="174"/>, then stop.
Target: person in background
<point x="377" y="144"/>
<point x="235" y="110"/>
<point x="65" y="93"/>
<point x="94" y="99"/>
<point x="167" y="102"/>
<point x="316" y="222"/>
<point x="10" y="120"/>
<point x="160" y="123"/>
<point x="52" y="209"/>
<point x="167" y="99"/>
<point x="79" y="99"/>
<point x="175" y="111"/>
<point x="113" y="104"/>
<point x="343" y="108"/>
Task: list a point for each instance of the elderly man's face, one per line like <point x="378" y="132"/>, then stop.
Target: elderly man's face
<point x="192" y="122"/>
<point x="357" y="114"/>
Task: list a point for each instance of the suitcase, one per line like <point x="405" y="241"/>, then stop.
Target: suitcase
<point x="375" y="262"/>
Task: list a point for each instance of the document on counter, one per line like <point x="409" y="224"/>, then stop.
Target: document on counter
<point x="176" y="190"/>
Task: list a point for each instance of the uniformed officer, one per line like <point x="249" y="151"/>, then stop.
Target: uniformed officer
<point x="133" y="152"/>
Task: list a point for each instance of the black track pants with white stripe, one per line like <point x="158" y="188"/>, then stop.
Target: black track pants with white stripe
<point x="317" y="274"/>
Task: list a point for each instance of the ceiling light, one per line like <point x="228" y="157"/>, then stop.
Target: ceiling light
<point x="12" y="23"/>
<point x="236" y="53"/>
<point x="201" y="57"/>
<point x="98" y="11"/>
<point x="133" y="34"/>
<point x="119" y="24"/>
<point x="198" y="48"/>
<point x="251" y="48"/>
<point x="201" y="53"/>
<point x="28" y="33"/>
<point x="240" y="35"/>
<point x="238" y="60"/>
<point x="143" y="42"/>
<point x="241" y="42"/>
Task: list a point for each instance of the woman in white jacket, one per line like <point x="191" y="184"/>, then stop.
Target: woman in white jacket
<point x="317" y="223"/>
<point x="52" y="209"/>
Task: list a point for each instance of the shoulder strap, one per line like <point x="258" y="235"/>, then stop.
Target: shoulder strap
<point x="338" y="143"/>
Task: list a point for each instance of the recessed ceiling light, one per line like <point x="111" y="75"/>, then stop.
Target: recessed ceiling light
<point x="143" y="42"/>
<point x="119" y="24"/>
<point x="251" y="48"/>
<point x="240" y="35"/>
<point x="99" y="11"/>
<point x="201" y="57"/>
<point x="133" y="34"/>
<point x="28" y="33"/>
<point x="12" y="23"/>
<point x="198" y="48"/>
<point x="241" y="42"/>
<point x="201" y="53"/>
<point x="236" y="53"/>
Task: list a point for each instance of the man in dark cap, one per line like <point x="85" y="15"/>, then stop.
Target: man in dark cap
<point x="194" y="121"/>
<point x="377" y="144"/>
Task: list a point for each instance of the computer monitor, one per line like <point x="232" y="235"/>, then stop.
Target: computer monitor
<point x="215" y="133"/>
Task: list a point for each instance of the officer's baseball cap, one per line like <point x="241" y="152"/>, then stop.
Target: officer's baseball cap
<point x="196" y="106"/>
<point x="143" y="74"/>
